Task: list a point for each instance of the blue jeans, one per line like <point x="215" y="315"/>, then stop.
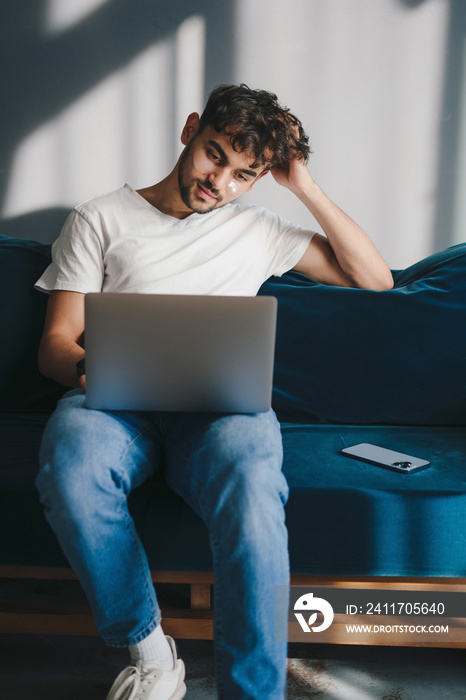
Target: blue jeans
<point x="228" y="469"/>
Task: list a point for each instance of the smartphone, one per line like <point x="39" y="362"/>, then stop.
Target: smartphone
<point x="389" y="459"/>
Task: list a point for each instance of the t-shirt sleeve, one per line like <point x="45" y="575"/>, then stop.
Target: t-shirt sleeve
<point x="286" y="244"/>
<point x="77" y="259"/>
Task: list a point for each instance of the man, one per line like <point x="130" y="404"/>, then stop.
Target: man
<point x="185" y="234"/>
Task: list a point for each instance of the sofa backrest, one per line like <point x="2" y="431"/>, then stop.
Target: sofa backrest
<point x="22" y="314"/>
<point x="360" y="357"/>
<point x="342" y="355"/>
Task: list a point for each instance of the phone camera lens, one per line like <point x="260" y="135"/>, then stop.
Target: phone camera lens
<point x="404" y="465"/>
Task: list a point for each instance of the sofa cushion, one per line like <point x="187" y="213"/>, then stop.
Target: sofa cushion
<point x="343" y="516"/>
<point x="347" y="517"/>
<point x="357" y="356"/>
<point x="22" y="313"/>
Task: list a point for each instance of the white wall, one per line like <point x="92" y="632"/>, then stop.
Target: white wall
<point x="367" y="78"/>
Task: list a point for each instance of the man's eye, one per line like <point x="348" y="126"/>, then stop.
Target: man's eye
<point x="213" y="156"/>
<point x="241" y="177"/>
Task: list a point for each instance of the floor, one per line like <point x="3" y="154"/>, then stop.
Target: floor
<point x="48" y="667"/>
<point x="83" y="668"/>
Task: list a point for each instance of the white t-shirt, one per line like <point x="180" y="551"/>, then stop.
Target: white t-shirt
<point x="118" y="242"/>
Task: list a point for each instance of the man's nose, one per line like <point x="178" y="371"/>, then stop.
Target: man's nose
<point x="219" y="178"/>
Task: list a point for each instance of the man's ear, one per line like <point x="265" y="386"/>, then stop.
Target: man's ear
<point x="264" y="172"/>
<point x="190" y="128"/>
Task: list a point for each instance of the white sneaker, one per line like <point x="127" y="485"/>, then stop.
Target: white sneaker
<point x="136" y="682"/>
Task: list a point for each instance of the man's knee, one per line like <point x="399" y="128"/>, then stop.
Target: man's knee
<point x="242" y="461"/>
<point x="247" y="437"/>
<point x="80" y="453"/>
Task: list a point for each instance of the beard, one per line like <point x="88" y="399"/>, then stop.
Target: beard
<point x="188" y="188"/>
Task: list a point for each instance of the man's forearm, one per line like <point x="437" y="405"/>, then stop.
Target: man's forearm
<point x="57" y="358"/>
<point x="356" y="253"/>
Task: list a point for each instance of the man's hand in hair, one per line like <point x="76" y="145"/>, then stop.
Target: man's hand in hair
<point x="294" y="176"/>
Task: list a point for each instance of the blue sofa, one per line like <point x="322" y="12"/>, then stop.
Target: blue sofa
<point x="351" y="366"/>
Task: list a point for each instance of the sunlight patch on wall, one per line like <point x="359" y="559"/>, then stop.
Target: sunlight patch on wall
<point x="120" y="131"/>
<point x="125" y="129"/>
<point x="60" y="15"/>
<point x="190" y="48"/>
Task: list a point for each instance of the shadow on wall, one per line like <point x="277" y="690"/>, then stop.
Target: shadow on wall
<point x="452" y="155"/>
<point x="43" y="226"/>
<point x="46" y="72"/>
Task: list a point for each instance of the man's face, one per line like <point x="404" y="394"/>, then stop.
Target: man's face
<point x="211" y="173"/>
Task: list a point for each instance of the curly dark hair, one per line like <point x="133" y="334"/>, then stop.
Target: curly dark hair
<point x="257" y="123"/>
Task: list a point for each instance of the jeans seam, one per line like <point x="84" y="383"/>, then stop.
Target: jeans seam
<point x="218" y="579"/>
<point x="149" y="588"/>
<point x="217" y="568"/>
<point x="130" y="527"/>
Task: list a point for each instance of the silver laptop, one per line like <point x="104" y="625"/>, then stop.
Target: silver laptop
<point x="158" y="352"/>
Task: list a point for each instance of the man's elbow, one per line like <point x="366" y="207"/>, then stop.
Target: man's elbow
<point x="380" y="285"/>
<point x="48" y="354"/>
<point x="380" y="282"/>
<point x="384" y="283"/>
<point x="43" y="359"/>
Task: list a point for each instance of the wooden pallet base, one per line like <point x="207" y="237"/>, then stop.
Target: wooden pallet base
<point x="195" y="621"/>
